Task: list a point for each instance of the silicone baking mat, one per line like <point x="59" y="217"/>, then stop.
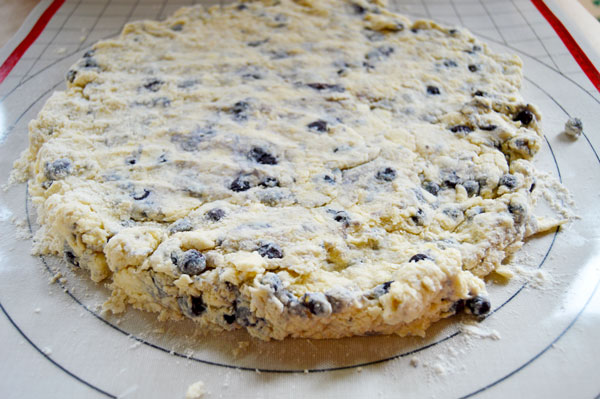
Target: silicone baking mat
<point x="541" y="340"/>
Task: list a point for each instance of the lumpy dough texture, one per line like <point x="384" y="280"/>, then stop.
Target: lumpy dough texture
<point x="295" y="168"/>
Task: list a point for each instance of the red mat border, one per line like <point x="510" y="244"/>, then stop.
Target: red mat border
<point x="582" y="59"/>
<point x="31" y="37"/>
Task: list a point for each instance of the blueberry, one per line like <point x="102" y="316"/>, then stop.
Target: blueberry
<point x="473" y="49"/>
<point x="341" y="216"/>
<point x="418" y="218"/>
<point x="454" y="213"/>
<point x="162" y="101"/>
<point x="244" y="316"/>
<point x="532" y="187"/>
<point x="488" y="128"/>
<point x="198" y="305"/>
<point x="153" y="85"/>
<point x="358" y="9"/>
<point x="240" y="110"/>
<point x="317" y="303"/>
<point x="433" y="90"/>
<point x="71" y="75"/>
<point x="192" y="262"/>
<point x="182" y="224"/>
<point x="89" y="53"/>
<point x="386" y="50"/>
<point x="215" y="214"/>
<point x="326" y="86"/>
<point x="508" y="180"/>
<point x="472" y="187"/>
<point x="461" y="129"/>
<point x="58" y="169"/>
<point x="257" y="43"/>
<point x="318" y="126"/>
<point x="387" y="174"/>
<point x="254" y="76"/>
<point x="162" y="158"/>
<point x="190" y="142"/>
<point x="449" y="179"/>
<point x="473" y="68"/>
<point x="71" y="258"/>
<point x="131" y="160"/>
<point x="270" y="250"/>
<point x="177" y="27"/>
<point x="273" y="281"/>
<point x="479" y="93"/>
<point x="452" y="32"/>
<point x="89" y="63"/>
<point x="242" y="7"/>
<point x="241" y="183"/>
<point x="229" y="318"/>
<point x="524" y="116"/>
<point x="329" y="179"/>
<point x="478" y="305"/>
<point x="186" y="84"/>
<point x="143" y="195"/>
<point x="379" y="290"/>
<point x="269" y="182"/>
<point x="518" y="212"/>
<point x="418" y="257"/>
<point x="432" y="187"/>
<point x="261" y="156"/>
<point x="450" y="63"/>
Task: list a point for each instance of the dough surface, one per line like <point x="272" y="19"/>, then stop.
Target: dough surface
<point x="295" y="168"/>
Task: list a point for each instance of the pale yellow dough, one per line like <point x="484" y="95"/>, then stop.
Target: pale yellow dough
<point x="299" y="154"/>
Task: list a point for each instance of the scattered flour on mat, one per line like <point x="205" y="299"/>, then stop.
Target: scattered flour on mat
<point x="195" y="391"/>
<point x="22" y="229"/>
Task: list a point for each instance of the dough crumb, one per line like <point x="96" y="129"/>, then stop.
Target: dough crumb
<point x="195" y="391"/>
<point x="414" y="362"/>
<point x="37" y="310"/>
<point x="242" y="345"/>
<point x="56" y="277"/>
<point x="573" y="128"/>
<point x="47" y="350"/>
<point x="61" y="50"/>
<point x="359" y="369"/>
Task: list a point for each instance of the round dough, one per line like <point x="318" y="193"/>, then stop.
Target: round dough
<point x="295" y="168"/>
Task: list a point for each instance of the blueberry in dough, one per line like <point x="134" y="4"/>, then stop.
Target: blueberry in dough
<point x="318" y="126"/>
<point x="524" y="116"/>
<point x="433" y="90"/>
<point x="192" y="262"/>
<point x="215" y="214"/>
<point x="153" y="85"/>
<point x="317" y="303"/>
<point x="461" y="129"/>
<point x="261" y="156"/>
<point x="431" y="187"/>
<point x="240" y="110"/>
<point x="58" y="169"/>
<point x="418" y="257"/>
<point x="270" y="250"/>
<point x="478" y="305"/>
<point x="509" y="181"/>
<point x="241" y="183"/>
<point x="269" y="182"/>
<point x="387" y="174"/>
